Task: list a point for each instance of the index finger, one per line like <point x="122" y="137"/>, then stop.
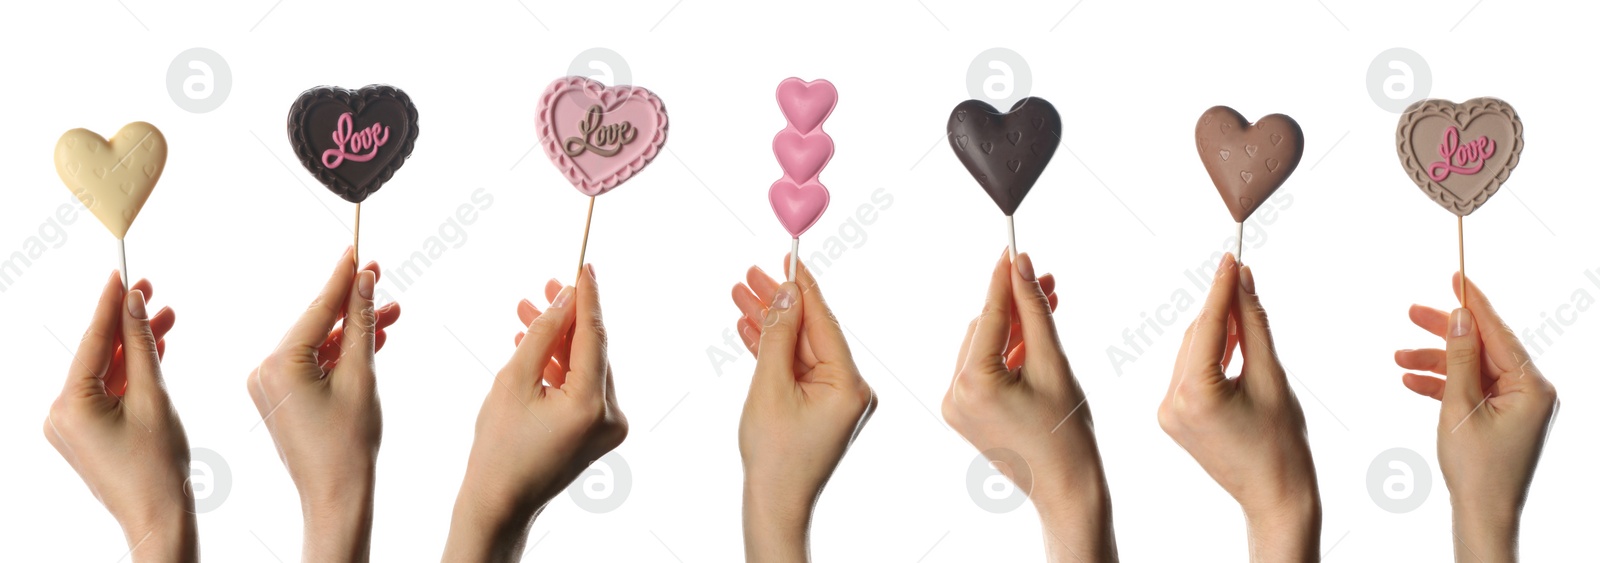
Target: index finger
<point x="313" y="326"/>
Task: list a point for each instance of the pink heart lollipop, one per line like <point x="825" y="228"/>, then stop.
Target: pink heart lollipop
<point x="798" y="206"/>
<point x="600" y="136"/>
<point x="802" y="156"/>
<point x="803" y="149"/>
<point x="806" y="104"/>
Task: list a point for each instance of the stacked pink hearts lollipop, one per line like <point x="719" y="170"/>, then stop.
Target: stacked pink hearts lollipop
<point x="803" y="149"/>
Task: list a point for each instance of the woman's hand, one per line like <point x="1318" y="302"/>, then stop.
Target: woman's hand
<point x="318" y="396"/>
<point x="807" y="402"/>
<point x="550" y="413"/>
<point x="1495" y="411"/>
<point x="117" y="428"/>
<point x="1014" y="397"/>
<point x="1248" y="432"/>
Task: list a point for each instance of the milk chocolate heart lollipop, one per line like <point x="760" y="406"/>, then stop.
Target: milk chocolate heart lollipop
<point x="1005" y="152"/>
<point x="353" y="140"/>
<point x="1247" y="162"/>
<point x="113" y="178"/>
<point x="1459" y="154"/>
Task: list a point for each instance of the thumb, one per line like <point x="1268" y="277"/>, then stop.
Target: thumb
<point x="1463" y="383"/>
<point x="1033" y="307"/>
<point x="360" y="326"/>
<point x="139" y="354"/>
<point x="780" y="331"/>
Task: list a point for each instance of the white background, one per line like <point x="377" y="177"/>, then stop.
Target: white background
<point x="238" y="238"/>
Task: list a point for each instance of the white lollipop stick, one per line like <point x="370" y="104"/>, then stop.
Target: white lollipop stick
<point x="122" y="251"/>
<point x="794" y="257"/>
<point x="1011" y="227"/>
<point x="1238" y="253"/>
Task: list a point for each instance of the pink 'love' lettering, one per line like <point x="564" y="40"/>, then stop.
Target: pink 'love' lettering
<point x="1460" y="158"/>
<point x="349" y="143"/>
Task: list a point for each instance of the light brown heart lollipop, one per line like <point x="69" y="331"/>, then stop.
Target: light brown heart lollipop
<point x="113" y="178"/>
<point x="1460" y="155"/>
<point x="1247" y="161"/>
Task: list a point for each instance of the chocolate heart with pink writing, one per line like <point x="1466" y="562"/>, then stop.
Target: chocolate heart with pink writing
<point x="599" y="136"/>
<point x="1247" y="161"/>
<point x="1459" y="154"/>
<point x="353" y="140"/>
<point x="1005" y="152"/>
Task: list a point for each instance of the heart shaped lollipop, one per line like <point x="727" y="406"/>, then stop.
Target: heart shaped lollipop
<point x="113" y="178"/>
<point x="600" y="136"/>
<point x="803" y="149"/>
<point x="353" y="140"/>
<point x="1459" y="154"/>
<point x="1005" y="152"/>
<point x="1247" y="162"/>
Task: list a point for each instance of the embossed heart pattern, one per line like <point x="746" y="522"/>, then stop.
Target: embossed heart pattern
<point x="1459" y="154"/>
<point x="1005" y="152"/>
<point x="1247" y="162"/>
<point x="353" y="141"/>
<point x="112" y="177"/>
<point x="599" y="136"/>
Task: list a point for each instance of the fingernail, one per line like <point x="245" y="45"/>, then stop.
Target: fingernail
<point x="748" y="332"/>
<point x="1227" y="262"/>
<point x="345" y="256"/>
<point x="590" y="269"/>
<point x="1025" y="267"/>
<point x="1460" y="322"/>
<point x="136" y="304"/>
<point x="562" y="298"/>
<point x="1248" y="280"/>
<point x="780" y="303"/>
<point x="364" y="282"/>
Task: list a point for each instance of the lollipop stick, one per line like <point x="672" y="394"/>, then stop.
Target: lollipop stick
<point x="1238" y="253"/>
<point x="122" y="251"/>
<point x="584" y="251"/>
<point x="356" y="254"/>
<point x="794" y="256"/>
<point x="1461" y="248"/>
<point x="1011" y="228"/>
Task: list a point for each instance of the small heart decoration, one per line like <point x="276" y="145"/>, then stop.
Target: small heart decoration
<point x="353" y="141"/>
<point x="1009" y="171"/>
<point x="806" y="104"/>
<point x="798" y="206"/>
<point x="599" y="136"/>
<point x="1459" y="154"/>
<point x="1245" y="183"/>
<point x="124" y="177"/>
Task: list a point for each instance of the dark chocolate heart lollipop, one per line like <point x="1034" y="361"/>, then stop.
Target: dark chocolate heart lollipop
<point x="353" y="140"/>
<point x="1005" y="152"/>
<point x="1247" y="161"/>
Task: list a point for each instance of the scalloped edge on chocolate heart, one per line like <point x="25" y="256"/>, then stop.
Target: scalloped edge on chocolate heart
<point x="552" y="146"/>
<point x="1446" y="108"/>
<point x="308" y="157"/>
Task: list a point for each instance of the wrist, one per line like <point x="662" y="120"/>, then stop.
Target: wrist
<point x="338" y="524"/>
<point x="1482" y="534"/>
<point x="1076" y="518"/>
<point x="171" y="538"/>
<point x="777" y="527"/>
<point x="489" y="525"/>
<point x="1287" y="529"/>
